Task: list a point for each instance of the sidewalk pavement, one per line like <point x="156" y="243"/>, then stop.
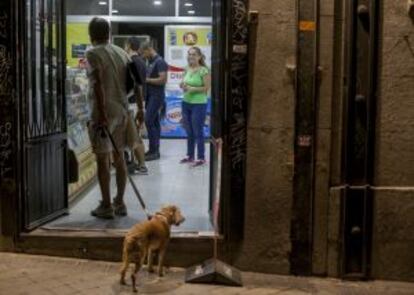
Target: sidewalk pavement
<point x="42" y="275"/>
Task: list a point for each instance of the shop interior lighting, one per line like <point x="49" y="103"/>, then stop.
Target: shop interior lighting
<point x="115" y="11"/>
<point x="157" y="2"/>
<point x="103" y="3"/>
<point x="188" y="4"/>
<point x="191" y="12"/>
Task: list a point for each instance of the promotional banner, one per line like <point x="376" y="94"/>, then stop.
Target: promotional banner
<point x="77" y="43"/>
<point x="178" y="39"/>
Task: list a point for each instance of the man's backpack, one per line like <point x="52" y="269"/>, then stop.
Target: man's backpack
<point x="132" y="77"/>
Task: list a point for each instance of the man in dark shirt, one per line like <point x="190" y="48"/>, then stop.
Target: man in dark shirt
<point x="154" y="98"/>
<point x="132" y="48"/>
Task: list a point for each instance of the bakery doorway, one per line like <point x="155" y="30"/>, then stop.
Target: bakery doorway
<point x="165" y="24"/>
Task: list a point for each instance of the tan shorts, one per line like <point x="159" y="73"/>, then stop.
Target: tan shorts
<point x="133" y="133"/>
<point x="100" y="140"/>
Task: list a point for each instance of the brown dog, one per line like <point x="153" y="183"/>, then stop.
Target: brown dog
<point x="145" y="238"/>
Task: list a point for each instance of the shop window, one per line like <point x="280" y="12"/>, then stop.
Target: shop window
<point x="195" y="8"/>
<point x="88" y="7"/>
<point x="45" y="102"/>
<point x="144" y="7"/>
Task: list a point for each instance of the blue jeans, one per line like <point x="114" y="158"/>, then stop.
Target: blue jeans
<point x="194" y="116"/>
<point x="152" y="122"/>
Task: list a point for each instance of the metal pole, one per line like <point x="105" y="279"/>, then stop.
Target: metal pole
<point x="305" y="136"/>
<point x="177" y="8"/>
<point x="359" y="137"/>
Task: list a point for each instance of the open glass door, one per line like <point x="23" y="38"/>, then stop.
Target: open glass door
<point x="44" y="114"/>
<point x="218" y="96"/>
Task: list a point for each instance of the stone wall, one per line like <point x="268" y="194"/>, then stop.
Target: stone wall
<point x="266" y="242"/>
<point x="393" y="255"/>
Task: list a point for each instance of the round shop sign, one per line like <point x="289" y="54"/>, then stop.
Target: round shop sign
<point x="190" y="38"/>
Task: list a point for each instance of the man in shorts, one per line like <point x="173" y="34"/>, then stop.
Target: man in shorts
<point x="108" y="70"/>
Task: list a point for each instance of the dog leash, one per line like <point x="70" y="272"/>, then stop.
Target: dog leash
<point x="133" y="184"/>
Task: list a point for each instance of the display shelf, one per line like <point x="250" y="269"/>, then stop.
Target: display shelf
<point x="87" y="174"/>
<point x="78" y="140"/>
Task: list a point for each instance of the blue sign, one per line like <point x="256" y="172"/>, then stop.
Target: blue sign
<point x="172" y="124"/>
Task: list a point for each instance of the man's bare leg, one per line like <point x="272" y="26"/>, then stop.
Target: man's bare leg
<point x="121" y="175"/>
<point x="104" y="177"/>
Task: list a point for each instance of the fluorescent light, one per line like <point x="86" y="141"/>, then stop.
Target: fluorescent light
<point x="188" y="4"/>
<point x="191" y="12"/>
<point x="157" y="2"/>
<point x="114" y="11"/>
<point x="103" y="3"/>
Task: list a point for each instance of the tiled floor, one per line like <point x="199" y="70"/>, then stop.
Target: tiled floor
<point x="168" y="182"/>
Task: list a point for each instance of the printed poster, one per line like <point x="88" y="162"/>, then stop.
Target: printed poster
<point x="178" y="39"/>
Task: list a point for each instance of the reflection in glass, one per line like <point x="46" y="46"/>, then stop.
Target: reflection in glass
<point x="144" y="7"/>
<point x="89" y="7"/>
<point x="44" y="105"/>
<point x="201" y="8"/>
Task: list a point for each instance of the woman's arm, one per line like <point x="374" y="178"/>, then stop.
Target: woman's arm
<point x="182" y="84"/>
<point x="205" y="88"/>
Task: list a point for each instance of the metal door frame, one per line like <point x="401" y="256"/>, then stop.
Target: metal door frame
<point x="25" y="141"/>
<point x="357" y="199"/>
<point x="306" y="106"/>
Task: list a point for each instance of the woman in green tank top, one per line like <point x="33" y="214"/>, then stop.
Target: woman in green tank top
<point x="196" y="85"/>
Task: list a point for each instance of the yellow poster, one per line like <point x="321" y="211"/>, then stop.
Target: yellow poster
<point x="77" y="42"/>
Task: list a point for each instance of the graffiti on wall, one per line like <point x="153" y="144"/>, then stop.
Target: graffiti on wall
<point x="5" y="148"/>
<point x="6" y="96"/>
<point x="5" y="58"/>
<point x="3" y="25"/>
<point x="5" y="68"/>
<point x="239" y="80"/>
<point x="237" y="137"/>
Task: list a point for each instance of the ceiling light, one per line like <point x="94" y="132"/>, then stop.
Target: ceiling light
<point x="103" y="3"/>
<point x="114" y="11"/>
<point x="188" y="4"/>
<point x="191" y="12"/>
<point x="157" y="2"/>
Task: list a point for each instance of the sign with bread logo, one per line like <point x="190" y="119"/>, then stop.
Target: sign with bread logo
<point x="190" y="38"/>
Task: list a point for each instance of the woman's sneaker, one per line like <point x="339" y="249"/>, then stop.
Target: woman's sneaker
<point x="198" y="163"/>
<point x="186" y="160"/>
<point x="120" y="208"/>
<point x="103" y="212"/>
